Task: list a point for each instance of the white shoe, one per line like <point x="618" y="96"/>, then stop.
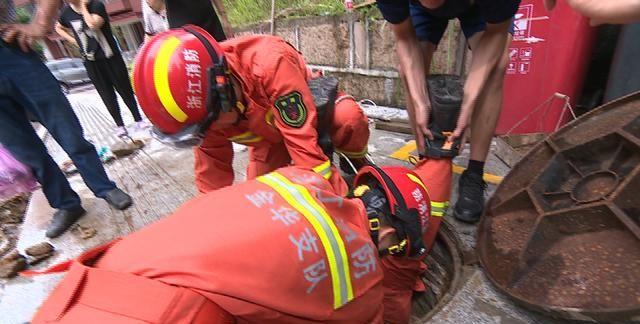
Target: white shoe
<point x="121" y="131"/>
<point x="141" y="125"/>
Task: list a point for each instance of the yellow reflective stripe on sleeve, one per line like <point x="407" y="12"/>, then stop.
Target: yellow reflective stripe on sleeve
<point x="251" y="140"/>
<point x="240" y="107"/>
<point x="439" y="208"/>
<point x="268" y="118"/>
<point x="441" y="204"/>
<point x="161" y="78"/>
<point x="246" y="137"/>
<point x="237" y="137"/>
<point x="336" y="254"/>
<point x="359" y="154"/>
<point x="324" y="170"/>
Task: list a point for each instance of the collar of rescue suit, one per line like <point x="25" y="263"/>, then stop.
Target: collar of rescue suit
<point x="247" y="87"/>
<point x="235" y="67"/>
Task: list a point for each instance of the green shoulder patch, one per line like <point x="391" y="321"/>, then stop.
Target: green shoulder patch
<point x="292" y="109"/>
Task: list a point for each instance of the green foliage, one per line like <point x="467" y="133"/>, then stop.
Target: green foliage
<point x="246" y="12"/>
<point x="370" y="13"/>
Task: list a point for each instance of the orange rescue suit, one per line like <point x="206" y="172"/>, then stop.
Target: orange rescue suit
<point x="402" y="275"/>
<point x="299" y="254"/>
<point x="279" y="118"/>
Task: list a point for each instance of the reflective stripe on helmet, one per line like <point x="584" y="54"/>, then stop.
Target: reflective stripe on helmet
<point x="299" y="198"/>
<point x="161" y="78"/>
<point x="323" y="169"/>
<point x="439" y="208"/>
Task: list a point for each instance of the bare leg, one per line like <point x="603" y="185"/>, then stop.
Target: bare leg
<point x="427" y="49"/>
<point x="489" y="105"/>
<point x="471" y="186"/>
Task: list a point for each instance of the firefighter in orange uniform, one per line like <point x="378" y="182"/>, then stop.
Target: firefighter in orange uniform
<point x="250" y="90"/>
<point x="299" y="254"/>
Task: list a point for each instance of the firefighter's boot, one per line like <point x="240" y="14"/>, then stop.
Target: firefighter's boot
<point x="445" y="94"/>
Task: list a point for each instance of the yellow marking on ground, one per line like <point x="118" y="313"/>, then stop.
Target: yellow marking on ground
<point x="405" y="151"/>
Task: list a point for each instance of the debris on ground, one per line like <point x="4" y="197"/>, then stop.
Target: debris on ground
<point x="11" y="216"/>
<point x="85" y="232"/>
<point x="122" y="149"/>
<point x="11" y="264"/>
<point x="39" y="252"/>
<point x="12" y="210"/>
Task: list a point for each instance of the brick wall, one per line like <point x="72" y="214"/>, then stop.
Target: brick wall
<point x="360" y="52"/>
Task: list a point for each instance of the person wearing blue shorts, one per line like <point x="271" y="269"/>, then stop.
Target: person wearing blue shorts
<point x="418" y="27"/>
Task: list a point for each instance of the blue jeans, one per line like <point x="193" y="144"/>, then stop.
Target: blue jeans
<point x="27" y="85"/>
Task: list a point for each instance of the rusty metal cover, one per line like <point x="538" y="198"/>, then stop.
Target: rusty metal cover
<point x="561" y="235"/>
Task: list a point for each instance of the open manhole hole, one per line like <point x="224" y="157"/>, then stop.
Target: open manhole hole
<point x="444" y="268"/>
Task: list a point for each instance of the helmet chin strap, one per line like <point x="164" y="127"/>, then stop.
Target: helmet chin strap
<point x="377" y="207"/>
<point x="405" y="221"/>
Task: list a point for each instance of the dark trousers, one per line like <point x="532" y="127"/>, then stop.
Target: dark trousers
<point x="107" y="75"/>
<point x="26" y="85"/>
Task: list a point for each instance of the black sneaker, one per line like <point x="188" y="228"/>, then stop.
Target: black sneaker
<point x="63" y="219"/>
<point x="118" y="199"/>
<point x="470" y="202"/>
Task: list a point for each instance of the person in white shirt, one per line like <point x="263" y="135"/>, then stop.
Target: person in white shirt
<point x="154" y="16"/>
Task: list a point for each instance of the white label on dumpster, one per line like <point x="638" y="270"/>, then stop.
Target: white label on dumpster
<point x="513" y="54"/>
<point x="522" y="22"/>
<point x="526" y="53"/>
<point x="511" y="68"/>
<point x="524" y="67"/>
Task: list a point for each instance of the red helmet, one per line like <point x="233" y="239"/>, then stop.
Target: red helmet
<point x="409" y="205"/>
<point x="182" y="81"/>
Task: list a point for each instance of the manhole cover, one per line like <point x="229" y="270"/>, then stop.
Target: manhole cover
<point x="444" y="266"/>
<point x="562" y="232"/>
<point x="594" y="186"/>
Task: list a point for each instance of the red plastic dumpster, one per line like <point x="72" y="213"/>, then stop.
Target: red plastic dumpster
<point x="550" y="54"/>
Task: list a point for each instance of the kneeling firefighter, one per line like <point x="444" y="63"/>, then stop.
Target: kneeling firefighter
<point x="251" y="90"/>
<point x="300" y="254"/>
